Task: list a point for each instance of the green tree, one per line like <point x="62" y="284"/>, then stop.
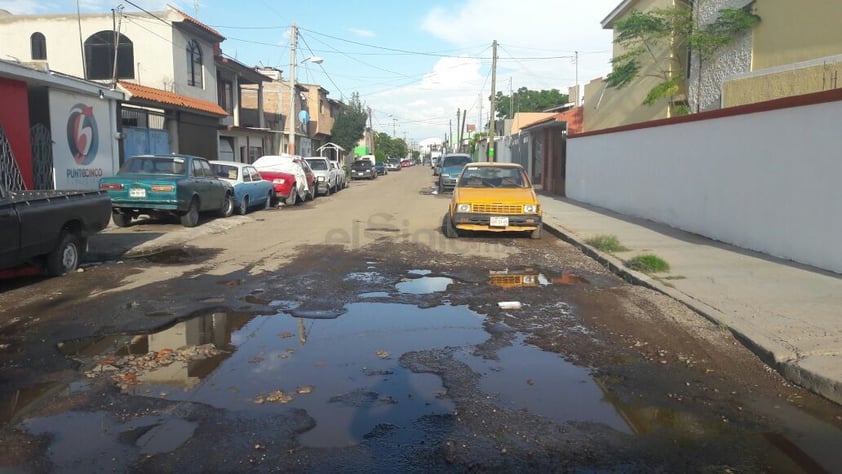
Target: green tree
<point x="657" y="37"/>
<point x="525" y="100"/>
<point x="349" y="125"/>
<point x="391" y="147"/>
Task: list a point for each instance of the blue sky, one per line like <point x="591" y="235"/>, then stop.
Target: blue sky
<point x="413" y="62"/>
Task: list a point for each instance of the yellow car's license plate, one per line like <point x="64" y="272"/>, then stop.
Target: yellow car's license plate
<point x="499" y="221"/>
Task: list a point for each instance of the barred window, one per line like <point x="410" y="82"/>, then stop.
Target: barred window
<point x="194" y="64"/>
<point x="38" y="45"/>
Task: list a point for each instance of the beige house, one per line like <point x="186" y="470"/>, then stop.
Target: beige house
<point x="314" y="112"/>
<point x="792" y="51"/>
<point x="606" y="107"/>
<point x="322" y="115"/>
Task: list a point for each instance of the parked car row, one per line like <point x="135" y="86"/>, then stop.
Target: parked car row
<point x="185" y="186"/>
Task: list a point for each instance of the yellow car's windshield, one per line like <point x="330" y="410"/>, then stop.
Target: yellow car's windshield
<point x="492" y="177"/>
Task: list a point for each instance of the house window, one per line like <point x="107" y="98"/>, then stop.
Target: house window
<point x="226" y="96"/>
<point x="99" y="56"/>
<point x="255" y="152"/>
<point x="38" y="45"/>
<point x="194" y="64"/>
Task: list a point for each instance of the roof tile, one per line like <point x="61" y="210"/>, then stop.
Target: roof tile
<point x="196" y="22"/>
<point x="171" y="98"/>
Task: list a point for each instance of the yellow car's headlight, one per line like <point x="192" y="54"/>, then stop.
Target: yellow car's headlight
<point x="463" y="208"/>
<point x="530" y="208"/>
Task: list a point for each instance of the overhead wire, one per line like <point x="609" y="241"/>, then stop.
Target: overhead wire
<point x="148" y="13"/>
<point x="523" y="66"/>
<point x="379" y="50"/>
<point x="304" y="40"/>
<point x="383" y="48"/>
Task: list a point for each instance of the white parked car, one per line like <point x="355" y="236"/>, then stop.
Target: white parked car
<point x="326" y="176"/>
<point x="341" y="178"/>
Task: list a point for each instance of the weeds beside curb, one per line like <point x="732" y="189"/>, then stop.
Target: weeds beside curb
<point x="648" y="263"/>
<point x="606" y="243"/>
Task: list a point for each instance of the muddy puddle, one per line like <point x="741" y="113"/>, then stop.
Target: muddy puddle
<point x="424" y="285"/>
<point x="342" y="368"/>
<point x="108" y="445"/>
<point x="523" y="377"/>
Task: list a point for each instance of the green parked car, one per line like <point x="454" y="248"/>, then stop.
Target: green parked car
<point x="179" y="185"/>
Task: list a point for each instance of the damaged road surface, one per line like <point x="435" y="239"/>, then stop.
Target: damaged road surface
<point x="365" y="341"/>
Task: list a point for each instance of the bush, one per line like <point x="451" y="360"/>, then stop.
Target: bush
<point x="648" y="263"/>
<point x="606" y="243"/>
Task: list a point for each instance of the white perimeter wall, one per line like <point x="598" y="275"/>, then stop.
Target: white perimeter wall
<point x="766" y="181"/>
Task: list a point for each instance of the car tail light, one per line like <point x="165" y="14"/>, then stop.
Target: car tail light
<point x="279" y="180"/>
<point x="162" y="188"/>
<point x="112" y="186"/>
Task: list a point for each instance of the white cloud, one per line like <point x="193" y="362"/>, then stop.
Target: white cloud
<point x="363" y="33"/>
<point x="532" y="29"/>
<point x="525" y="30"/>
<point x="426" y="107"/>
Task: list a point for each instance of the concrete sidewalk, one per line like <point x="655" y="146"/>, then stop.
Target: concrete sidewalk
<point x="790" y="315"/>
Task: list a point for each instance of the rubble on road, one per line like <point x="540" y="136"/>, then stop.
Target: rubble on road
<point x="128" y="370"/>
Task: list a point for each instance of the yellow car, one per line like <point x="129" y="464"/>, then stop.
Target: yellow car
<point x="495" y="197"/>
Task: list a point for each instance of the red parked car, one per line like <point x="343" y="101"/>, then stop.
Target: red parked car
<point x="293" y="179"/>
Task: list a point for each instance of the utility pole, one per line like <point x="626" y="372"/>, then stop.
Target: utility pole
<point x="370" y="131"/>
<point x="479" y="121"/>
<point x="462" y="129"/>
<point x="576" y="61"/>
<point x="493" y="113"/>
<point x="114" y="13"/>
<point x="511" y="100"/>
<point x="394" y="125"/>
<point x="458" y="132"/>
<point x="450" y="140"/>
<point x="81" y="41"/>
<point x="293" y="40"/>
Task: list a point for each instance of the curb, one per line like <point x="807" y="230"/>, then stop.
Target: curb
<point x="791" y="370"/>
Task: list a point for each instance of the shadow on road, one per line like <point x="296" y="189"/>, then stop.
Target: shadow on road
<point x="113" y="245"/>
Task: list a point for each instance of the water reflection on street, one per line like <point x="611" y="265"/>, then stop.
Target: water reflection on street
<point x="343" y="370"/>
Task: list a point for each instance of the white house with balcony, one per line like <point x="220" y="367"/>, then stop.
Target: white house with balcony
<point x="165" y="62"/>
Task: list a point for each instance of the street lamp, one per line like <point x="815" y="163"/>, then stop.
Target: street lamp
<point x="394" y="124"/>
<point x="292" y="63"/>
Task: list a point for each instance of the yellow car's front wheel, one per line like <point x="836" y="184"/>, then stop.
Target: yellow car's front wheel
<point x="448" y="229"/>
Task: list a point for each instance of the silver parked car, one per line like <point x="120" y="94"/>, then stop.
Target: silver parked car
<point x="326" y="176"/>
<point x="341" y="177"/>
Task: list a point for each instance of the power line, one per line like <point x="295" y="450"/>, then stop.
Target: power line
<point x="148" y="13"/>
<point x="384" y="48"/>
<point x="304" y="40"/>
